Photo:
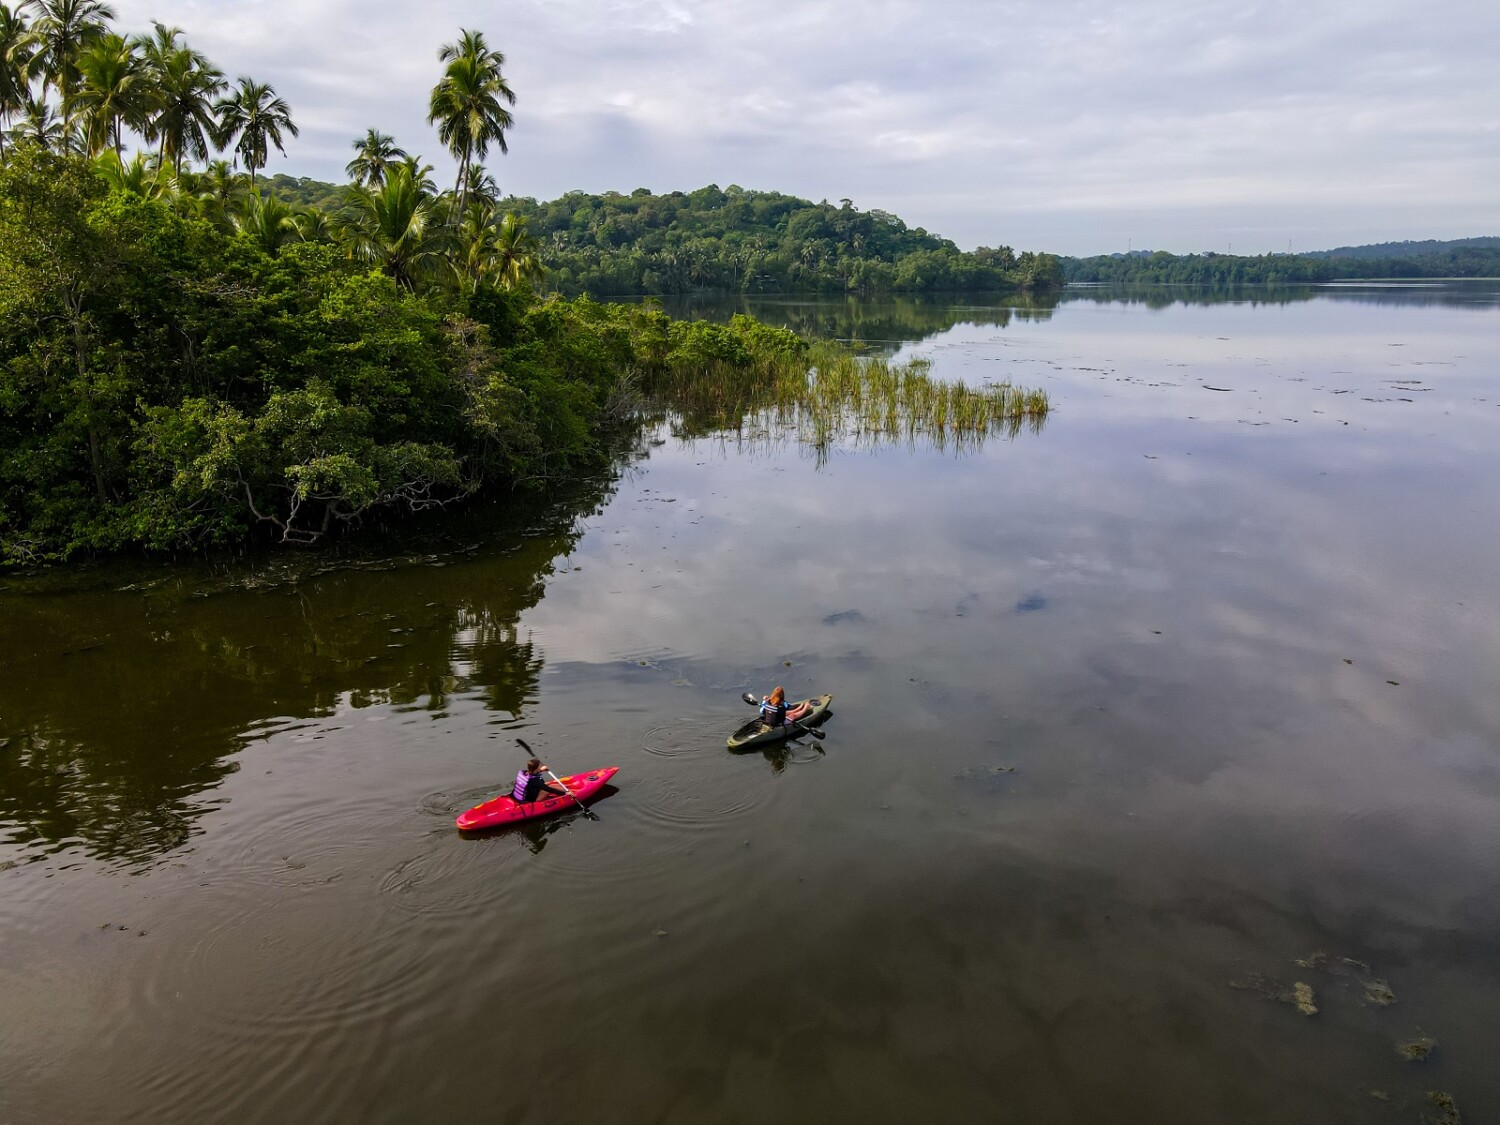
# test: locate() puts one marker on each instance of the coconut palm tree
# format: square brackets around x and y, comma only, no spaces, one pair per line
[468,104]
[313,224]
[517,254]
[39,125]
[220,180]
[141,176]
[250,119]
[186,84]
[18,45]
[397,226]
[209,194]
[64,29]
[114,91]
[480,186]
[495,249]
[268,221]
[162,41]
[472,261]
[373,154]
[421,174]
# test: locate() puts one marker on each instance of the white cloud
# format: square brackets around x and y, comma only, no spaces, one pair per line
[1071,126]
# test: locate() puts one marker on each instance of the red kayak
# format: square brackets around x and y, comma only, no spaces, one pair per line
[505,809]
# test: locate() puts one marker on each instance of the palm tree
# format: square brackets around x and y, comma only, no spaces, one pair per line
[475,254]
[64,28]
[142,177]
[517,254]
[269,222]
[220,184]
[313,224]
[186,85]
[495,250]
[210,194]
[466,104]
[114,90]
[480,186]
[256,116]
[397,226]
[162,41]
[18,44]
[421,174]
[373,154]
[40,126]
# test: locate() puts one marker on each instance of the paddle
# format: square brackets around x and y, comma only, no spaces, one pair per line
[819,735]
[559,780]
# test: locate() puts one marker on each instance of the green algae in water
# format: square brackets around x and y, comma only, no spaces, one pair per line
[1376,990]
[1300,993]
[1447,1109]
[1302,996]
[1417,1050]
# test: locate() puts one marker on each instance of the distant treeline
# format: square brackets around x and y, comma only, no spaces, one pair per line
[742,241]
[1406,249]
[1161,268]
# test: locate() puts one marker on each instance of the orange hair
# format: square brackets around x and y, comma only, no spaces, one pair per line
[779,695]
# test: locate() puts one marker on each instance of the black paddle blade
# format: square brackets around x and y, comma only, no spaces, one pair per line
[524,746]
[750,699]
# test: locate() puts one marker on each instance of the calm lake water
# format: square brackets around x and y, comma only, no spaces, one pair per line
[1140,722]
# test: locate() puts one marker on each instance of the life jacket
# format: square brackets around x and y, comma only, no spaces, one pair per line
[526,788]
[773,714]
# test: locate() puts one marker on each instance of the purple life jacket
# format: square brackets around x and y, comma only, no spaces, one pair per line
[527,785]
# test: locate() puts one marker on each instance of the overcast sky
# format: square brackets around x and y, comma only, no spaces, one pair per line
[1075,126]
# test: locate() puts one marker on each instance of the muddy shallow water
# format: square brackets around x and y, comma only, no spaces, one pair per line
[1162,784]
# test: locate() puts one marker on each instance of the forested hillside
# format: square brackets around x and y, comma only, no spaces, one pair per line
[757,241]
[1407,249]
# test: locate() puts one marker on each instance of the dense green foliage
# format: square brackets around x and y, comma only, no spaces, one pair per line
[1161,268]
[757,241]
[167,383]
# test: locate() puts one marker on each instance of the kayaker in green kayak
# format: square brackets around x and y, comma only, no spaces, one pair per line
[774,711]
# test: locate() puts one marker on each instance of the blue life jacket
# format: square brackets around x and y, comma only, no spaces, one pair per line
[773,714]
[526,788]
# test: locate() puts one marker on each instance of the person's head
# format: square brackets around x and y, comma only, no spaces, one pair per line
[778,695]
[533,764]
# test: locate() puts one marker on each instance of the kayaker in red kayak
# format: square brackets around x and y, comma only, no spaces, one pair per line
[774,712]
[530,785]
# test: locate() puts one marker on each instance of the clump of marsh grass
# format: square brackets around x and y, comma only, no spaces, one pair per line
[754,381]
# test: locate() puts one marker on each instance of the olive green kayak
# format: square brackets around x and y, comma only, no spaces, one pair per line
[755,732]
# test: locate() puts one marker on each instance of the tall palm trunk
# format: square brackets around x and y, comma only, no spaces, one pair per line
[462,187]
